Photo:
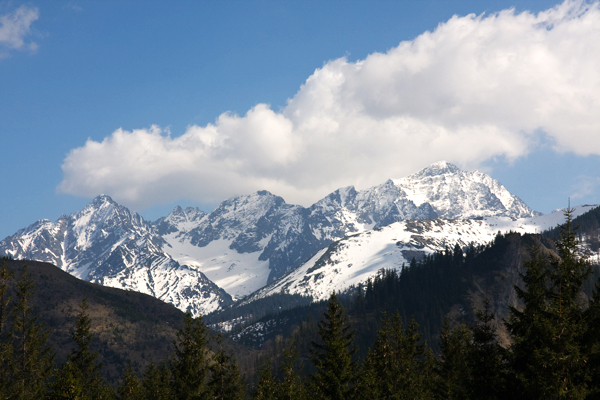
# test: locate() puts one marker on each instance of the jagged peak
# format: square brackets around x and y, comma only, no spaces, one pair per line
[439,168]
[102,199]
[259,196]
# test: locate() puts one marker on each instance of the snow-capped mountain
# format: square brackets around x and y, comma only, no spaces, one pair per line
[239,244]
[456,194]
[106,243]
[194,259]
[352,260]
[249,241]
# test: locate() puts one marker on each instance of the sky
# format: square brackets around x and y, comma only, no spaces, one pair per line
[160,103]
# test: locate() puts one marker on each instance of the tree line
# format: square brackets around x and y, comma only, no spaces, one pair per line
[554,351]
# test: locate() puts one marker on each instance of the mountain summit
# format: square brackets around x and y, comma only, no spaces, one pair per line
[438,168]
[457,194]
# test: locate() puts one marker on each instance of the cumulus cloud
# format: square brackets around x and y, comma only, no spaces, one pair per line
[475,88]
[14,29]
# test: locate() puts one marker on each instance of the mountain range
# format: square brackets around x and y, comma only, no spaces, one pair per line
[256,245]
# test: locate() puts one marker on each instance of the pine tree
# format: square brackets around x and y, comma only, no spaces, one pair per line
[84,359]
[366,387]
[267,386]
[335,373]
[457,256]
[487,359]
[129,388]
[67,384]
[189,366]
[156,383]
[33,359]
[360,300]
[528,327]
[6,347]
[549,358]
[225,382]
[290,388]
[591,342]
[398,362]
[453,367]
[566,375]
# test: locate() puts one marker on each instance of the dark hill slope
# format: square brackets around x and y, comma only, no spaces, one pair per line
[128,326]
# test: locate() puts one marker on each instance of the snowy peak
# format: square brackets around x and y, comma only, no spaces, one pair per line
[101,200]
[435,169]
[179,220]
[457,194]
[244,219]
[103,219]
[342,197]
[248,209]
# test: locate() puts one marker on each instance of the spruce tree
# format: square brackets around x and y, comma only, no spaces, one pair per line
[129,387]
[591,343]
[549,356]
[529,326]
[290,387]
[398,362]
[156,383]
[366,386]
[267,386]
[487,359]
[335,373]
[6,345]
[565,373]
[189,366]
[225,382]
[453,367]
[66,384]
[33,359]
[84,359]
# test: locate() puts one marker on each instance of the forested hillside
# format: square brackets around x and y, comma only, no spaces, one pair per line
[128,327]
[462,323]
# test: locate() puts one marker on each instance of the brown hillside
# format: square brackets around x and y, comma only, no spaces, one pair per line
[128,326]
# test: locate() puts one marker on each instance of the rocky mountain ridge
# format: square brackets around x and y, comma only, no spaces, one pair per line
[352,260]
[105,243]
[198,261]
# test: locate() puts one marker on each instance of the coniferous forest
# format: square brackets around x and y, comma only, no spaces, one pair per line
[398,337]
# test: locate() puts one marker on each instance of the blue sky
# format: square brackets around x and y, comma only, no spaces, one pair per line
[161,103]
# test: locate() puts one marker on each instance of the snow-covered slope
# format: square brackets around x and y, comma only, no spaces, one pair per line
[251,240]
[454,194]
[240,243]
[106,243]
[354,259]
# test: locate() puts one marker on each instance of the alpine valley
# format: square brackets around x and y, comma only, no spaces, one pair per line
[255,246]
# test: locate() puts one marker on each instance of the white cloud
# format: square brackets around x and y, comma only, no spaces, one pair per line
[475,88]
[14,29]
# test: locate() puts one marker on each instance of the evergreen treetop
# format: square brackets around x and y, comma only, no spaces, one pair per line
[336,371]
